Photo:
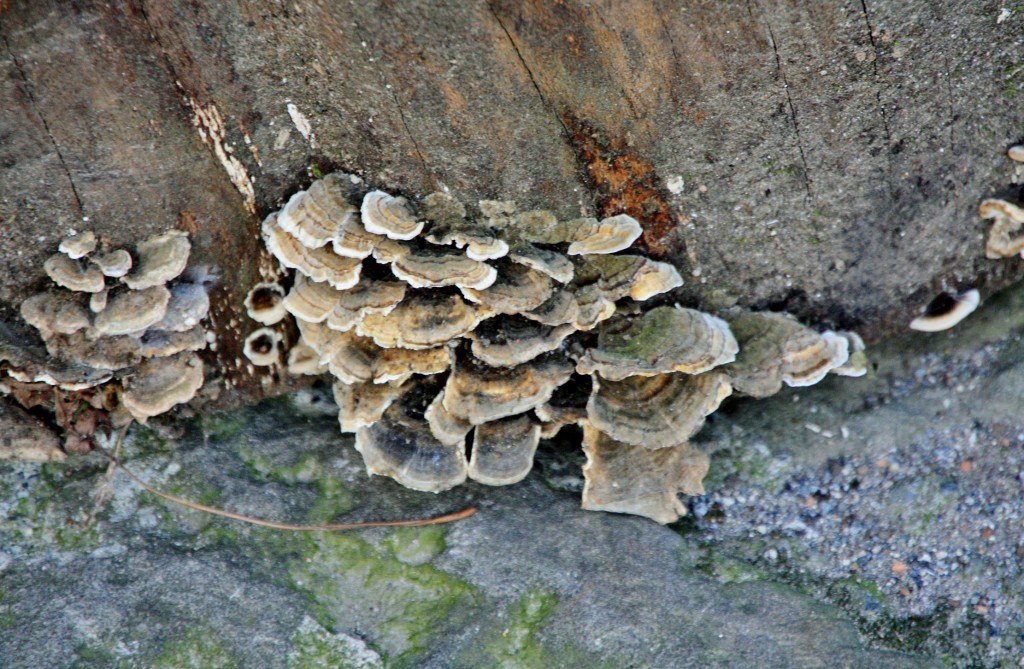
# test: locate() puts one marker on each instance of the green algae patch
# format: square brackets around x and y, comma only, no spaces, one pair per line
[356,585]
[197,648]
[313,647]
[517,647]
[416,545]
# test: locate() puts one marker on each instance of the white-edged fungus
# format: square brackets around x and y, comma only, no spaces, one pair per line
[622,478]
[162,343]
[132,311]
[478,393]
[401,446]
[303,360]
[78,245]
[945,311]
[316,264]
[265,303]
[73,274]
[261,347]
[353,241]
[449,429]
[434,267]
[552,263]
[311,300]
[55,312]
[656,411]
[160,259]
[422,320]
[362,404]
[316,216]
[503,450]
[1016,153]
[664,339]
[114,264]
[507,341]
[387,215]
[516,289]
[161,383]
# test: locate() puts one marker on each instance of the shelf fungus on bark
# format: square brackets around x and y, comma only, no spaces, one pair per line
[623,478]
[401,446]
[487,329]
[120,331]
[776,349]
[945,311]
[261,347]
[662,340]
[316,216]
[265,303]
[1005,238]
[656,411]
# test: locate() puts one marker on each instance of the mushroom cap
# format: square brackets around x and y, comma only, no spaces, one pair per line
[114,264]
[612,234]
[857,363]
[317,264]
[366,297]
[98,301]
[401,446]
[503,450]
[516,289]
[265,303]
[162,343]
[74,275]
[945,311]
[133,311]
[775,348]
[450,430]
[507,341]
[314,335]
[638,277]
[656,411]
[188,305]
[261,348]
[422,320]
[552,263]
[622,478]
[362,404]
[664,339]
[303,360]
[353,241]
[384,214]
[55,312]
[78,245]
[355,359]
[480,243]
[478,393]
[593,306]
[161,258]
[559,309]
[160,383]
[315,216]
[311,300]
[107,353]
[433,267]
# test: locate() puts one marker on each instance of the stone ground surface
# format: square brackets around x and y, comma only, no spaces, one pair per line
[870,522]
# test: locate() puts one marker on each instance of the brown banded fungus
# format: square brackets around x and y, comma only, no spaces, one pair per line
[945,311]
[265,303]
[124,347]
[487,330]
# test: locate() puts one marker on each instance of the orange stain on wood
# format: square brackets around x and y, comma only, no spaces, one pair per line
[625,183]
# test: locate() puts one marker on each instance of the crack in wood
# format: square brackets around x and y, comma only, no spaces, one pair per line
[46,126]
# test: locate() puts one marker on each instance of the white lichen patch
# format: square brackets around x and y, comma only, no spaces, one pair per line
[210,125]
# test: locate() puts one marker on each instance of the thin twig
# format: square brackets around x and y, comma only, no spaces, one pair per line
[447,518]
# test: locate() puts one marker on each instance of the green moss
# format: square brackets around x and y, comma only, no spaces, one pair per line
[355,584]
[315,170]
[222,426]
[316,648]
[197,648]
[416,545]
[517,645]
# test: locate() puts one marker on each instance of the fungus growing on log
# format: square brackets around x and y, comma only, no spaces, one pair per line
[945,311]
[463,340]
[122,343]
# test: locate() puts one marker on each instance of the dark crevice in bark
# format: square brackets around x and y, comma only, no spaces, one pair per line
[46,126]
[529,72]
[792,107]
[878,94]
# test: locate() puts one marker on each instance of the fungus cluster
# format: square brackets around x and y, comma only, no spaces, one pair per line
[132,319]
[456,341]
[1006,211]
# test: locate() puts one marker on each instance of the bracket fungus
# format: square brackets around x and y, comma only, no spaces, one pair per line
[123,342]
[461,338]
[945,311]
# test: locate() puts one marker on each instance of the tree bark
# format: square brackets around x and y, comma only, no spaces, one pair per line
[825,158]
